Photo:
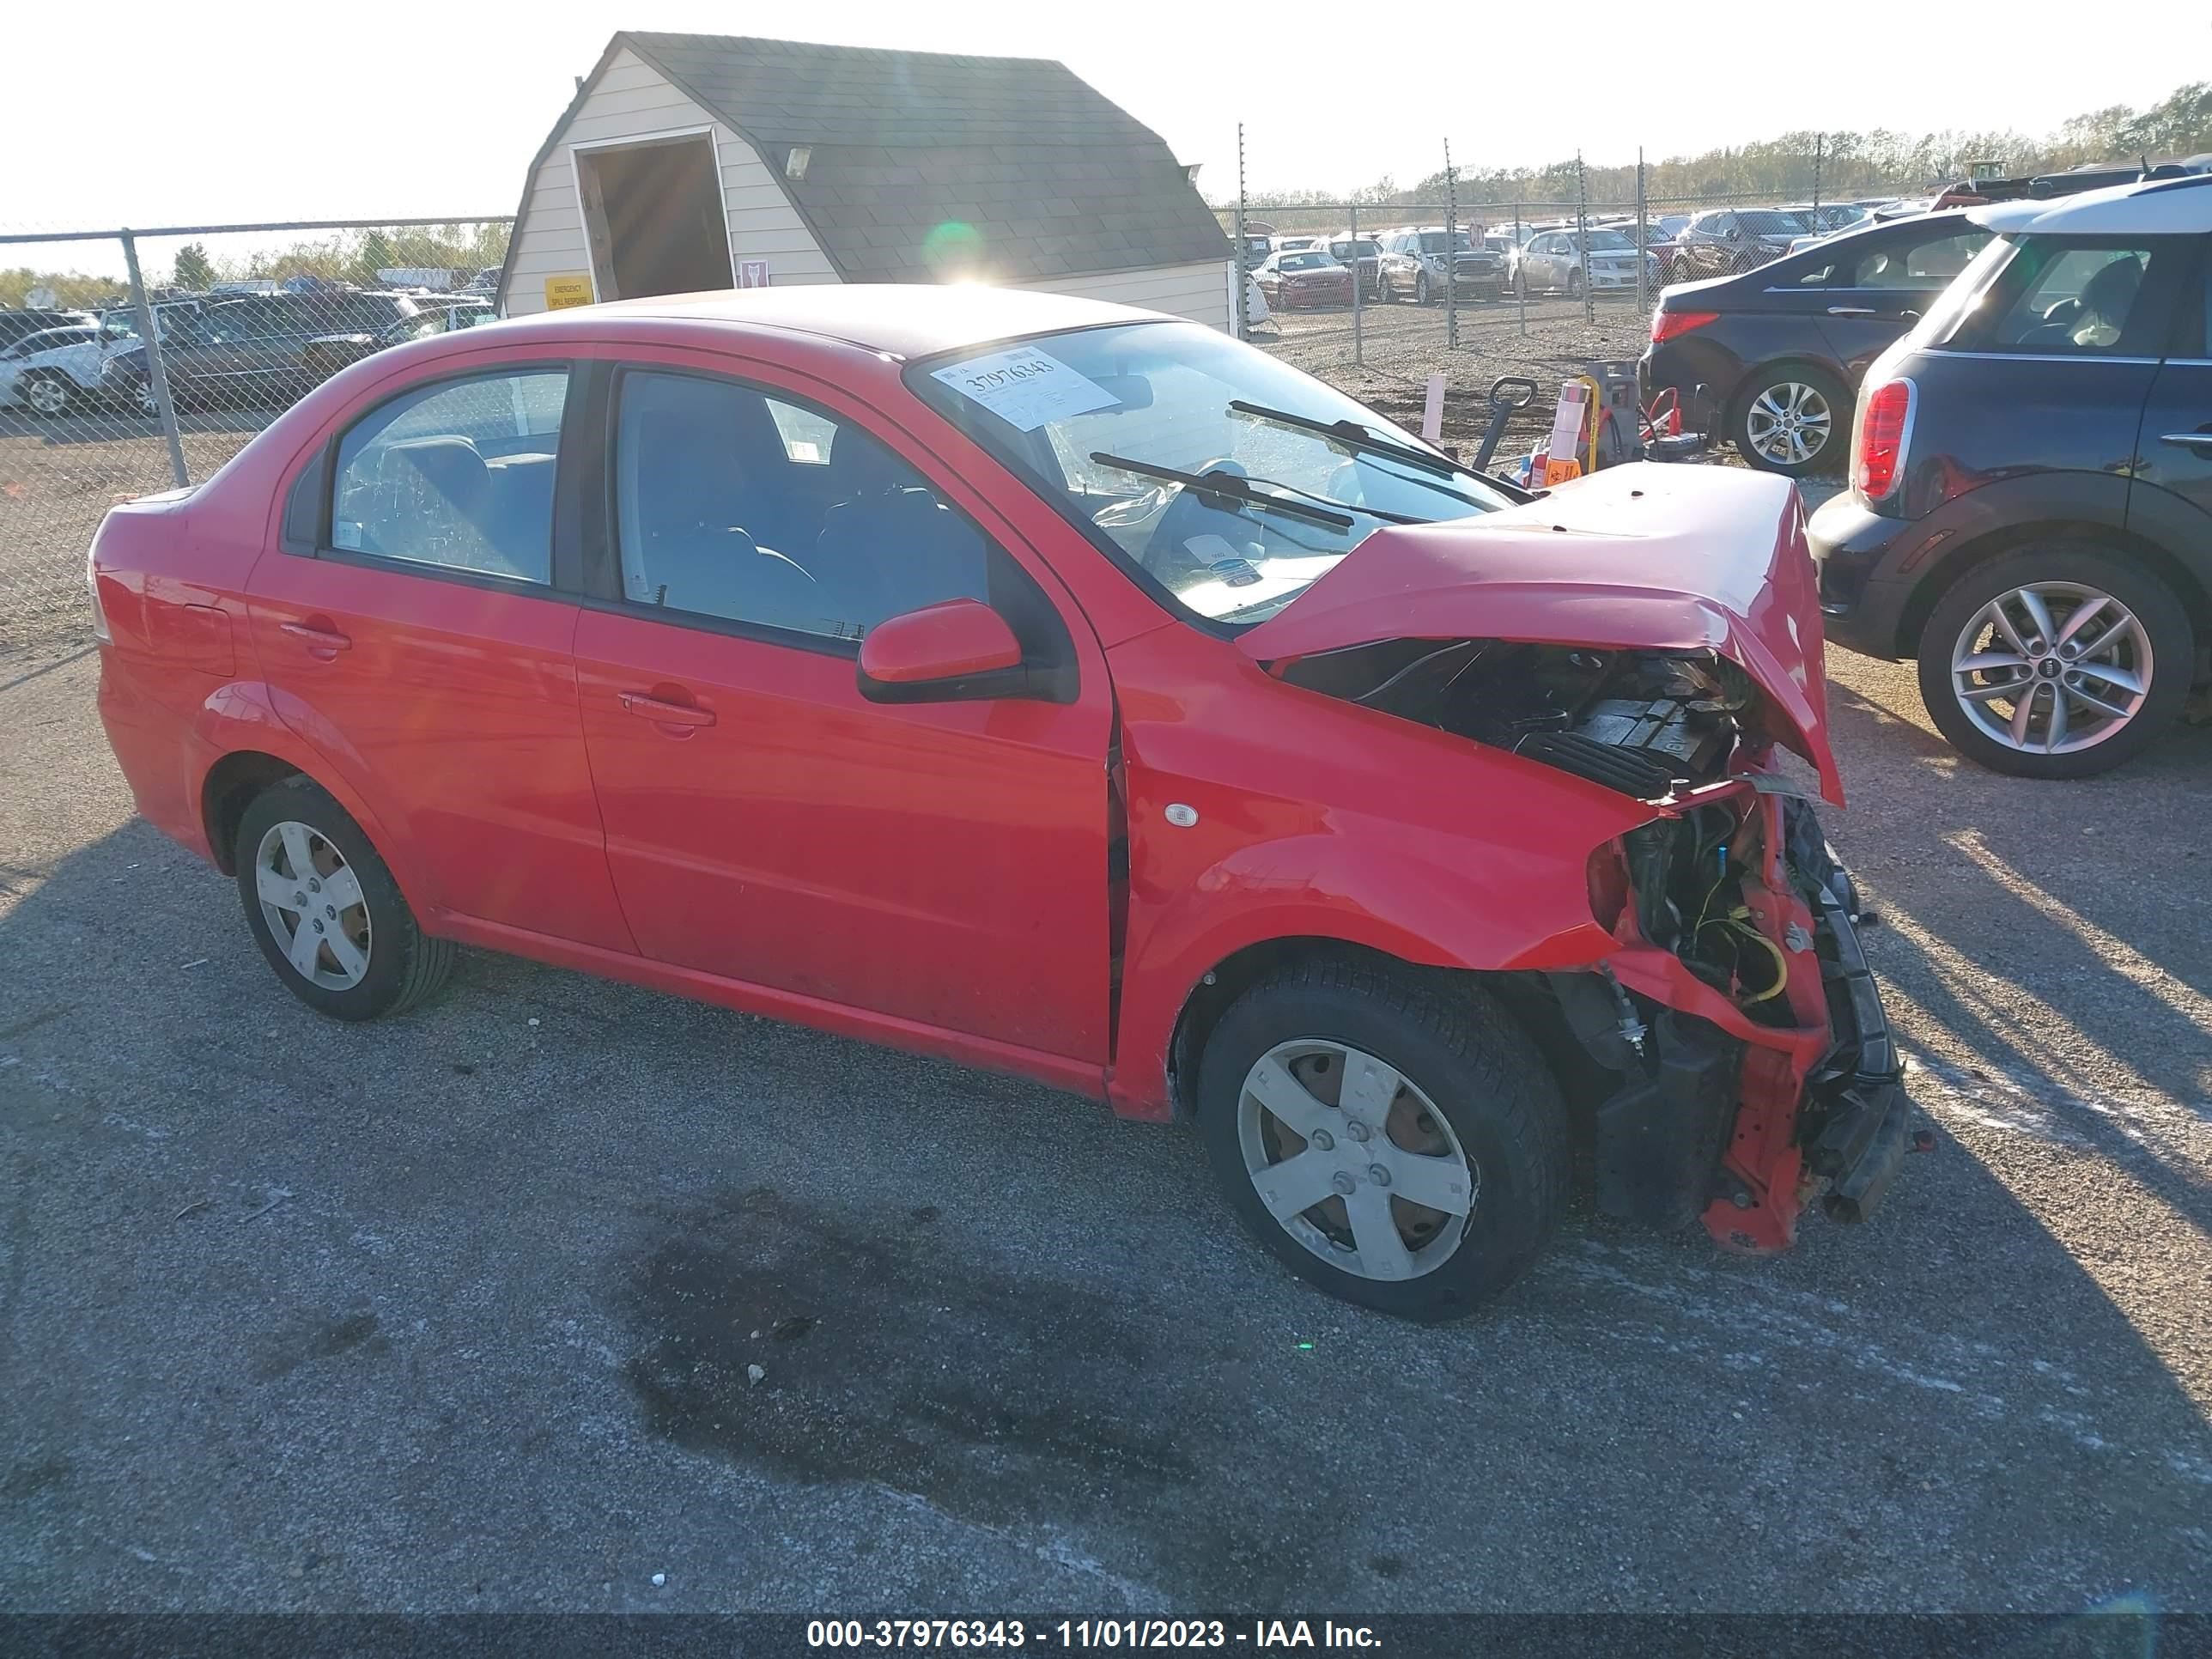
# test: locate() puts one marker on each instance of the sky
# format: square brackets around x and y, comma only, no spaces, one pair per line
[309,112]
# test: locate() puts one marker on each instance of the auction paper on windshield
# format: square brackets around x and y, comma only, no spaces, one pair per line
[1025,388]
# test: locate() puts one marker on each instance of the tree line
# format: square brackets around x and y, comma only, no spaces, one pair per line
[344,256]
[1842,165]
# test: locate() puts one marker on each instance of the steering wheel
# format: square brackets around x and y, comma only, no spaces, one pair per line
[1191,514]
[2064,314]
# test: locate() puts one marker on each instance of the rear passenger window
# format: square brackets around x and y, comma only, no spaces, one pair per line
[1918,265]
[733,504]
[458,474]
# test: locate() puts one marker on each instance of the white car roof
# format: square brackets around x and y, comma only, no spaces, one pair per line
[2164,207]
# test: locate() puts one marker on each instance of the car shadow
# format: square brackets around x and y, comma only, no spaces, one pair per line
[2055,940]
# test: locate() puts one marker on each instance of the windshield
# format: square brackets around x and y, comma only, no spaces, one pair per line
[1304,262]
[1432,241]
[1158,395]
[1610,241]
[1772,221]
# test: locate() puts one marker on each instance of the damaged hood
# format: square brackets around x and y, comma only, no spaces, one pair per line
[1640,558]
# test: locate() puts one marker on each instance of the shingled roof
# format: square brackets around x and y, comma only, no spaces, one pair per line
[1053,178]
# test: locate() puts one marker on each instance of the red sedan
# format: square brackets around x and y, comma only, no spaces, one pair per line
[1310,277]
[984,673]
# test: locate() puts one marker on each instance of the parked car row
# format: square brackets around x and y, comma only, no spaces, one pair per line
[260,351]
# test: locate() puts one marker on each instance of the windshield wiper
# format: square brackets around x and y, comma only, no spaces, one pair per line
[1226,486]
[1353,435]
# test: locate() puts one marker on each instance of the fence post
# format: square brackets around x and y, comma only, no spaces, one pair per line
[1359,354]
[1582,239]
[1820,147]
[156,376]
[1643,239]
[1244,322]
[1451,253]
[1520,288]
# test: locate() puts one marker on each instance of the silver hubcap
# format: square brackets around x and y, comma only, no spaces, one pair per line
[1354,1161]
[311,899]
[1789,423]
[47,397]
[2052,668]
[147,402]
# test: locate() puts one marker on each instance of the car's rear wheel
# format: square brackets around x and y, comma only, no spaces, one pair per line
[325,909]
[2057,660]
[143,400]
[49,395]
[1393,1138]
[1792,419]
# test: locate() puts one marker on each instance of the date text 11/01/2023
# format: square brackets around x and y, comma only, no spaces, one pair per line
[1261,1636]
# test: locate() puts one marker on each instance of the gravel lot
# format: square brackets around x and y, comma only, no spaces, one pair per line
[455,1312]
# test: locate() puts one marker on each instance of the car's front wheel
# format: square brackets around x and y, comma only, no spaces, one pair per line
[49,395]
[2059,659]
[1421,288]
[325,909]
[1794,420]
[1392,1137]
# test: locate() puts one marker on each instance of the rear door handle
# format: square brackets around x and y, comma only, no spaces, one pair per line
[324,642]
[661,712]
[1851,311]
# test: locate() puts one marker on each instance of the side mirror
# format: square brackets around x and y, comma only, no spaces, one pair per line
[961,651]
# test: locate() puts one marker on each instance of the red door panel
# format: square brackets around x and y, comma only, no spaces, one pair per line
[452,707]
[942,863]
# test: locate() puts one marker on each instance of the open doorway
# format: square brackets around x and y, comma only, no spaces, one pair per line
[653,216]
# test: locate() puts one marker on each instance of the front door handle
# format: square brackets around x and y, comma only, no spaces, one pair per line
[2189,440]
[324,641]
[661,712]
[1851,311]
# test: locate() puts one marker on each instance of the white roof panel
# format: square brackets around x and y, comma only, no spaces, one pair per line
[2164,207]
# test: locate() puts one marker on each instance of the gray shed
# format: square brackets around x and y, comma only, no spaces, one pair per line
[691,161]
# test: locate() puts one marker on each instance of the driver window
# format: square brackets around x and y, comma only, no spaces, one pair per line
[732,504]
[2079,301]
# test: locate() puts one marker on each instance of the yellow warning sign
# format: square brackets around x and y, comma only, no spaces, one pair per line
[562,292]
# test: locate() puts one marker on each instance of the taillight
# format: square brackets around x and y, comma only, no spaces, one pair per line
[1666,324]
[1884,425]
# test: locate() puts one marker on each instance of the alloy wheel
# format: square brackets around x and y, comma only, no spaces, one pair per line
[46,396]
[149,404]
[2052,668]
[311,902]
[1353,1161]
[1789,423]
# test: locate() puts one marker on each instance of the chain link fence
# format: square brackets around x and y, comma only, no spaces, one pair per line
[243,320]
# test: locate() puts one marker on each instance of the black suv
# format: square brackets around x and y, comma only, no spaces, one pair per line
[2030,513]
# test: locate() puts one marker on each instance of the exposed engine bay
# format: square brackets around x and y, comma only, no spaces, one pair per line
[1647,724]
[1786,1085]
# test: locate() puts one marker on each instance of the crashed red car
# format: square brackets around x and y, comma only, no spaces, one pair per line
[1062,690]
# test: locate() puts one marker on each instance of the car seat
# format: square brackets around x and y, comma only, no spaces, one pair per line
[684,491]
[890,546]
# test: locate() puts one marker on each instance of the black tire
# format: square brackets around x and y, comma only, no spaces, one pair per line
[405,965]
[1826,459]
[1475,1066]
[1421,287]
[2156,606]
[1574,285]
